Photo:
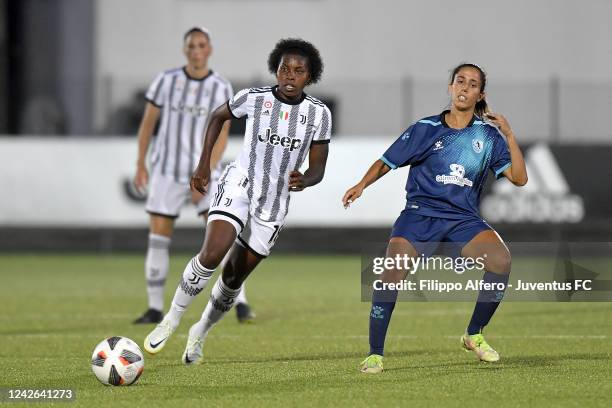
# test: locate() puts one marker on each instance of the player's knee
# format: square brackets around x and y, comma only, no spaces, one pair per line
[393,275]
[210,259]
[500,263]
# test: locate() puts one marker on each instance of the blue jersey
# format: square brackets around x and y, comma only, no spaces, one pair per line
[449,167]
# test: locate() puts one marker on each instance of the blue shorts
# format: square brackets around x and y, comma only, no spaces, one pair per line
[426,233]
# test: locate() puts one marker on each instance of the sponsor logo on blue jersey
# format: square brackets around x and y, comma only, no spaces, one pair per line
[455,177]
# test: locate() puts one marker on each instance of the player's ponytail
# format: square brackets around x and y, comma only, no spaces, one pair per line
[481,106]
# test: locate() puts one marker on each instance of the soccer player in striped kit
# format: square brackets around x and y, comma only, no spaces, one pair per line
[251,200]
[450,155]
[184,98]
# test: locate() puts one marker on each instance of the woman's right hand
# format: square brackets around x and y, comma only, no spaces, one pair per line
[352,194]
[200,178]
[141,179]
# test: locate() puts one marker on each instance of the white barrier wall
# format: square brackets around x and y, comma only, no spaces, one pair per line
[80,183]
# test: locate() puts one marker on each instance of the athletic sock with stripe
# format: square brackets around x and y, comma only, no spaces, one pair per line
[222,298]
[194,280]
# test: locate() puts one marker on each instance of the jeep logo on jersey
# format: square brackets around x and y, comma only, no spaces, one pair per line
[191,110]
[275,140]
[457,171]
[545,198]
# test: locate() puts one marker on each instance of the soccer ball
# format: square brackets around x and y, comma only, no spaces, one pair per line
[117,361]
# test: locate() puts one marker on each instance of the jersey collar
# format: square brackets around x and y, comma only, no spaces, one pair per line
[443,120]
[280,97]
[210,72]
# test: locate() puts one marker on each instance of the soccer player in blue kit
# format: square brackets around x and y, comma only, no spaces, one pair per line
[450,155]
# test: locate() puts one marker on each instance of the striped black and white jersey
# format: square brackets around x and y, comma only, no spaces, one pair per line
[276,141]
[186,106]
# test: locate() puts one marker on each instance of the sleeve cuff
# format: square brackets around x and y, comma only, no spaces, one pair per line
[498,172]
[229,108]
[388,163]
[324,141]
[152,102]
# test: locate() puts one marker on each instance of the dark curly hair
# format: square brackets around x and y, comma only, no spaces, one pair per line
[299,47]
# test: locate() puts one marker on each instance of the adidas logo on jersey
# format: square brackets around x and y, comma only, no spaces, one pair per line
[275,140]
[545,198]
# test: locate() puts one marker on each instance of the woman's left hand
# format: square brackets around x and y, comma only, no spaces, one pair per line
[500,121]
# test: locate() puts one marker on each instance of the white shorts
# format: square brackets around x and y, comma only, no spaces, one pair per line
[230,203]
[166,197]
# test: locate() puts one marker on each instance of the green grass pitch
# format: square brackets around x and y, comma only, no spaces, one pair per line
[305,347]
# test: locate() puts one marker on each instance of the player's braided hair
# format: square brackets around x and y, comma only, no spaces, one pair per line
[481,106]
[299,47]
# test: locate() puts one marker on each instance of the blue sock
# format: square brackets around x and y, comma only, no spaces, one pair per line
[383,303]
[487,303]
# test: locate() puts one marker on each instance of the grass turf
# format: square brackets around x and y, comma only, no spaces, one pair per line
[305,347]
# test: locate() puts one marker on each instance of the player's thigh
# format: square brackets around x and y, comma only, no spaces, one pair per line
[229,199]
[398,247]
[220,235]
[412,234]
[491,249]
[227,217]
[240,264]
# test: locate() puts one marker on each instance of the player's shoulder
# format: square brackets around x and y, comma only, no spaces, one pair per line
[171,71]
[317,103]
[259,90]
[248,94]
[314,101]
[220,78]
[429,121]
[487,127]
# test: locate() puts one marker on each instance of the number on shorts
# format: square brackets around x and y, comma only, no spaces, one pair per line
[274,234]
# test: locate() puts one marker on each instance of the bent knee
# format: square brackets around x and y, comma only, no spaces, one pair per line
[211,259]
[500,263]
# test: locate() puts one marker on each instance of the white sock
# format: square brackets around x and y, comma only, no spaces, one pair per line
[241,298]
[194,280]
[156,269]
[221,301]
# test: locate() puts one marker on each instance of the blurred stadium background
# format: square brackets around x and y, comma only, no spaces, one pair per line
[73,73]
[72,77]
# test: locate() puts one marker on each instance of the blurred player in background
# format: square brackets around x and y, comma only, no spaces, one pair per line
[184,98]
[252,197]
[450,155]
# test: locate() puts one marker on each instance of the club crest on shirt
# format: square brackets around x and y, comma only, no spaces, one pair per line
[477,145]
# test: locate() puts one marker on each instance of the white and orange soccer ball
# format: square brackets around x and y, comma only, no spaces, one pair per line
[117,361]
